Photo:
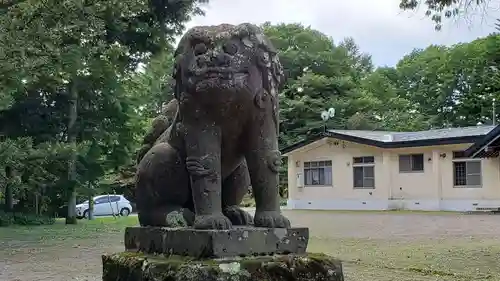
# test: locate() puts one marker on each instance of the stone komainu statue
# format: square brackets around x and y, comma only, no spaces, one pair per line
[224,136]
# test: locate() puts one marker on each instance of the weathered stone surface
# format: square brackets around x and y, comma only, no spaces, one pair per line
[129,266]
[241,241]
[223,137]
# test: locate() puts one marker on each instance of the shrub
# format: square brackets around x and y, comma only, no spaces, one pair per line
[7,219]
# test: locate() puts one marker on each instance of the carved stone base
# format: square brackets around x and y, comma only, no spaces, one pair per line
[129,266]
[244,241]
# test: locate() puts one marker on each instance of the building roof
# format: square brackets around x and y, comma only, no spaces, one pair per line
[385,136]
[386,139]
[488,146]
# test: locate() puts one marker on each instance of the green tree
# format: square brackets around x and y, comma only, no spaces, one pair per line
[151,87]
[438,10]
[26,169]
[452,86]
[66,61]
[390,108]
[322,75]
[424,79]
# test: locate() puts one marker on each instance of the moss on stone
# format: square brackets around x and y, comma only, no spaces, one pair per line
[139,266]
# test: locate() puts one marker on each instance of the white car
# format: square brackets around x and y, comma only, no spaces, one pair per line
[105,205]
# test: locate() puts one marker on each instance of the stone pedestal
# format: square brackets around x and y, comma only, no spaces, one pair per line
[239,241]
[130,266]
[239,254]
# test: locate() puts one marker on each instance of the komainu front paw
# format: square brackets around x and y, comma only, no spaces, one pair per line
[176,219]
[271,219]
[179,218]
[217,221]
[237,216]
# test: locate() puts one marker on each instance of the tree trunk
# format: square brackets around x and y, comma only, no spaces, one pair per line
[91,203]
[111,207]
[73,114]
[9,193]
[41,201]
[37,206]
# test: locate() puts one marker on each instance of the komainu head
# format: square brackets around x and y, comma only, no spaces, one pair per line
[226,59]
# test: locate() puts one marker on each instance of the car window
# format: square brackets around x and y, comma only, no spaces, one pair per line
[101,200]
[114,198]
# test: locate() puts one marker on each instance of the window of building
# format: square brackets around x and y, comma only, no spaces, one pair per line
[411,163]
[318,173]
[466,172]
[364,172]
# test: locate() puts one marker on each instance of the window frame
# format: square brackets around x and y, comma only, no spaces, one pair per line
[318,166]
[458,157]
[366,162]
[411,157]
[101,200]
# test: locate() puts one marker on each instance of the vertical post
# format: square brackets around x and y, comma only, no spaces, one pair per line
[37,207]
[111,206]
[73,115]
[494,113]
[325,115]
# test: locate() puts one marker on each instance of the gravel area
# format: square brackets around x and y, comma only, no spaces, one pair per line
[396,225]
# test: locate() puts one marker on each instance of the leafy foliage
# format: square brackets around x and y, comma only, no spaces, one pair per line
[438,10]
[67,62]
[7,219]
[151,87]
[322,75]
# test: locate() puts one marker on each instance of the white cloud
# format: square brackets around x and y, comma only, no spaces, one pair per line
[378,27]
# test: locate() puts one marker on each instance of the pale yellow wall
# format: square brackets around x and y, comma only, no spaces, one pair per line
[436,182]
[490,182]
[341,156]
[415,185]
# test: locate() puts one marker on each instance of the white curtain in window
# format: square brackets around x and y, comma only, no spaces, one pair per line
[315,176]
[328,175]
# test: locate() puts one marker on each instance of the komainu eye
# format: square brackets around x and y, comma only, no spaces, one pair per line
[230,48]
[200,48]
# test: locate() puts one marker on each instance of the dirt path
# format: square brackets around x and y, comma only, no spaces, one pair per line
[362,239]
[78,261]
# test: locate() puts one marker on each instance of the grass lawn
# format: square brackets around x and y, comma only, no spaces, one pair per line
[37,253]
[85,229]
[455,259]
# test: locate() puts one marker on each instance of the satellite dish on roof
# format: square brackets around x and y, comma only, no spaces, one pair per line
[325,115]
[331,112]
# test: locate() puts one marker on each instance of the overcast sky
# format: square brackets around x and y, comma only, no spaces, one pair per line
[377,26]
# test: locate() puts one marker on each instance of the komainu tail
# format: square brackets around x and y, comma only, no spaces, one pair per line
[160,124]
